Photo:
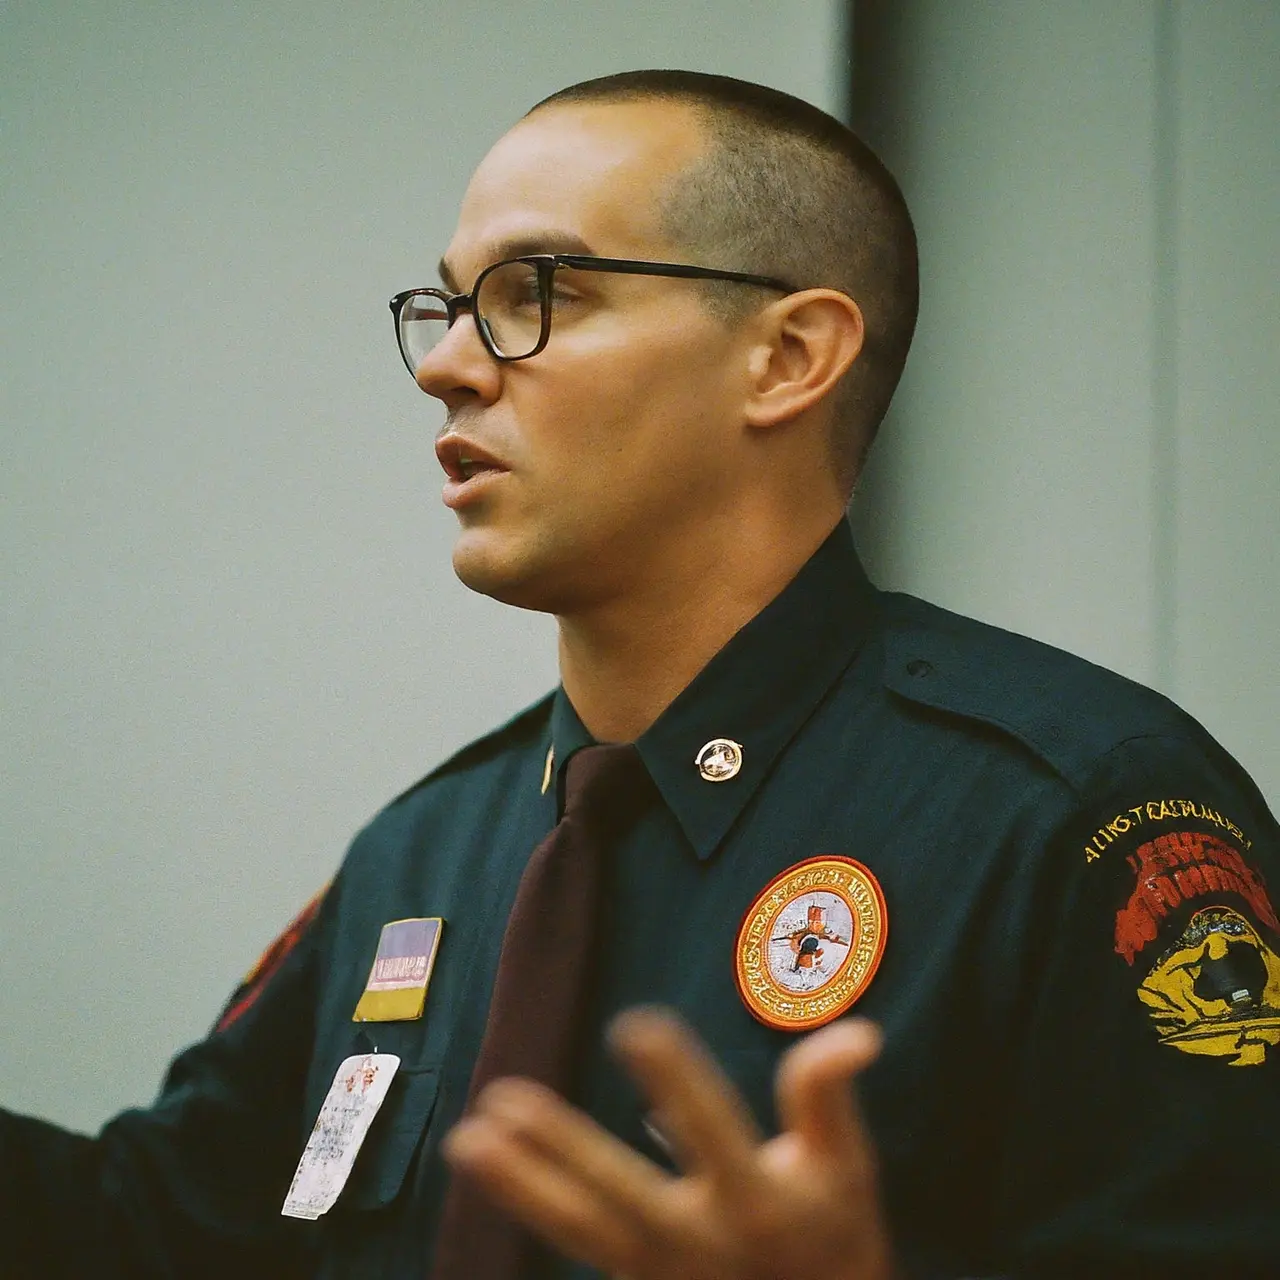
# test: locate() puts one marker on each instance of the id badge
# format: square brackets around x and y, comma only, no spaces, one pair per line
[357,1092]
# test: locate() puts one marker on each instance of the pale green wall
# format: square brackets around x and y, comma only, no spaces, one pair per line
[1086,446]
[1223,329]
[230,630]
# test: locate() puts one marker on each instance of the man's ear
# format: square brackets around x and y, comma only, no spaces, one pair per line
[805,344]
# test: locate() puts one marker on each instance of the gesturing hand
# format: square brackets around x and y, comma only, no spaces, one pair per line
[800,1205]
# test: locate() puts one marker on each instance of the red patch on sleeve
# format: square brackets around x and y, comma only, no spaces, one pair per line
[1175,868]
[255,981]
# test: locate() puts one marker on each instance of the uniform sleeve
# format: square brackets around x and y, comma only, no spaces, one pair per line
[193,1185]
[1144,1069]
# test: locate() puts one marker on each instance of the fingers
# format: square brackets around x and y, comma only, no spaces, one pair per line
[697,1107]
[557,1171]
[536,1193]
[804,1195]
[815,1094]
[563,1134]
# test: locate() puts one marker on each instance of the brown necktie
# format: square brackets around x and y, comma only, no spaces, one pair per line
[542,994]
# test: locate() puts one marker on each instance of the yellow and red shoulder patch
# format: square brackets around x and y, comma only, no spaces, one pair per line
[254,982]
[810,943]
[1201,917]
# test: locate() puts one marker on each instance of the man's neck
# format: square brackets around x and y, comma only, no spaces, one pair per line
[624,663]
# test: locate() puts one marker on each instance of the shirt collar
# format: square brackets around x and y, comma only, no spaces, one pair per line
[756,692]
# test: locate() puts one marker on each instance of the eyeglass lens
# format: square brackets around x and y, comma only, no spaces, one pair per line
[508,306]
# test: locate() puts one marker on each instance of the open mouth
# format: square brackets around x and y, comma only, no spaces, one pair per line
[462,460]
[468,468]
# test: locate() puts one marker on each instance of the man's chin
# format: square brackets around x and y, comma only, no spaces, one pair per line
[495,571]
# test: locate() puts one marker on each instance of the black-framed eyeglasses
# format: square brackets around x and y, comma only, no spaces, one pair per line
[513,301]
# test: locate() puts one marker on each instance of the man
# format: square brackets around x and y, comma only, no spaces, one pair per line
[1045,886]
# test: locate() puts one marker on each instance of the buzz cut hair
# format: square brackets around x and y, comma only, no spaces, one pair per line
[787,190]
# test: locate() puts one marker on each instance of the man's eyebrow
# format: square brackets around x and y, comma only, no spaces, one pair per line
[520,246]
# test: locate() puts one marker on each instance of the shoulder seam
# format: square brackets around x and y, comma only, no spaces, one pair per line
[1074,712]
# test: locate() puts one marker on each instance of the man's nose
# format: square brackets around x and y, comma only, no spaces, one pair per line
[459,367]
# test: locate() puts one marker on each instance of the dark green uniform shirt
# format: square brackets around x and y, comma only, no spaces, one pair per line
[1080,990]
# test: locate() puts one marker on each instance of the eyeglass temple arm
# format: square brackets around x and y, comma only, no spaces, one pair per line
[628,266]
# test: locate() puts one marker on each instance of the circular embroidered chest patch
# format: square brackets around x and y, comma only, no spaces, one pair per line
[810,943]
